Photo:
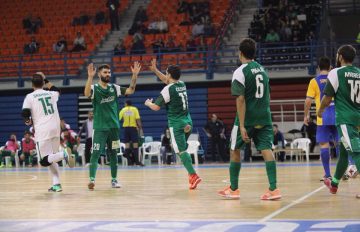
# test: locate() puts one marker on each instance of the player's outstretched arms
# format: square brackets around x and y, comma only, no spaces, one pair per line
[91,73]
[159,74]
[135,72]
[151,105]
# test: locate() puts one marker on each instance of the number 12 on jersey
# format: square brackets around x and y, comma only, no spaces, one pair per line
[184,100]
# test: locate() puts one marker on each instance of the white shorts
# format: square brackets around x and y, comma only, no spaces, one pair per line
[47,147]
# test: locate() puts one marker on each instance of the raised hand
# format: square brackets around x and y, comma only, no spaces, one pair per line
[152,66]
[136,68]
[91,70]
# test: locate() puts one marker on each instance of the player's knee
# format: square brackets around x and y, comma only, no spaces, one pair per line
[235,156]
[45,162]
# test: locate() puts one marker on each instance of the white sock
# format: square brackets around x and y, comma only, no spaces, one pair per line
[54,169]
[54,158]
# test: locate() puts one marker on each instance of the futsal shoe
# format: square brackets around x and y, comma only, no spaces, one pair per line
[91,185]
[325,177]
[333,189]
[228,193]
[271,195]
[194,180]
[115,184]
[55,188]
[69,158]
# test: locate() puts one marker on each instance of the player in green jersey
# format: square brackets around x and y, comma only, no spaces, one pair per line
[104,97]
[174,98]
[344,85]
[250,85]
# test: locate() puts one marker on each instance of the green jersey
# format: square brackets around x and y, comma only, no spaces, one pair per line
[344,86]
[251,81]
[106,106]
[174,97]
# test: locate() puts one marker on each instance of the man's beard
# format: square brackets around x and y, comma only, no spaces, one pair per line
[104,79]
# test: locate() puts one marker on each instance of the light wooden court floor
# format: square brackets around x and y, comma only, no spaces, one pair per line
[158,199]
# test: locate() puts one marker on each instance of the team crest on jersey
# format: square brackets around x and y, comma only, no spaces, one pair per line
[111,90]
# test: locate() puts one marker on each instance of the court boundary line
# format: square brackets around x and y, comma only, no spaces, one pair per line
[295,202]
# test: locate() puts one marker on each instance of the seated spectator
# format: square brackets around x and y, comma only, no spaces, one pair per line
[272,36]
[153,26]
[28,150]
[191,45]
[72,141]
[137,26]
[198,29]
[166,148]
[99,18]
[208,29]
[162,25]
[138,46]
[64,125]
[141,15]
[32,47]
[170,45]
[79,43]
[120,48]
[158,46]
[279,141]
[10,148]
[31,24]
[60,45]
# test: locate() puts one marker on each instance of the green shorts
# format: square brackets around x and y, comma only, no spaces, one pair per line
[263,137]
[106,138]
[350,137]
[7,153]
[179,137]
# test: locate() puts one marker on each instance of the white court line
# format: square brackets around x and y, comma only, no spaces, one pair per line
[279,211]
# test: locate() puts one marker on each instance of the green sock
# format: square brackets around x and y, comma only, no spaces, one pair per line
[93,164]
[187,162]
[113,165]
[341,165]
[271,173]
[234,171]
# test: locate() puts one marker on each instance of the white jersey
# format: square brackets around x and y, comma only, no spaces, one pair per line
[44,113]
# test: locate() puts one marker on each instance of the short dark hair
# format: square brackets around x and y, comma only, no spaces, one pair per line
[275,125]
[103,66]
[174,71]
[128,102]
[347,52]
[248,48]
[324,63]
[37,81]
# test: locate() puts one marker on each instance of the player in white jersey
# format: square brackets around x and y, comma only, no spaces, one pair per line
[40,110]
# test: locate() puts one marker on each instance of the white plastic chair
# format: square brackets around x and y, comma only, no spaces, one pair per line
[148,139]
[124,161]
[193,148]
[17,160]
[151,149]
[81,151]
[193,137]
[301,143]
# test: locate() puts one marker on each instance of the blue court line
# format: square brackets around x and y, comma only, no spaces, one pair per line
[180,226]
[205,166]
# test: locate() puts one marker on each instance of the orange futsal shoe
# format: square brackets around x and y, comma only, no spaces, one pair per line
[271,195]
[229,194]
[194,180]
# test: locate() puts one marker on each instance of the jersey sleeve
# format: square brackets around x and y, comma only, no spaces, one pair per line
[238,83]
[26,103]
[332,84]
[137,115]
[165,93]
[311,91]
[160,101]
[120,90]
[92,94]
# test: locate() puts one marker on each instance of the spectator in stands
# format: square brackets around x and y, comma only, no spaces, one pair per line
[10,148]
[141,15]
[138,46]
[87,128]
[31,24]
[60,45]
[79,43]
[64,125]
[32,47]
[28,149]
[72,141]
[120,48]
[272,36]
[158,45]
[99,17]
[310,130]
[208,29]
[162,25]
[216,132]
[153,27]
[137,26]
[138,35]
[170,45]
[113,6]
[183,7]
[198,29]
[191,44]
[279,141]
[285,32]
